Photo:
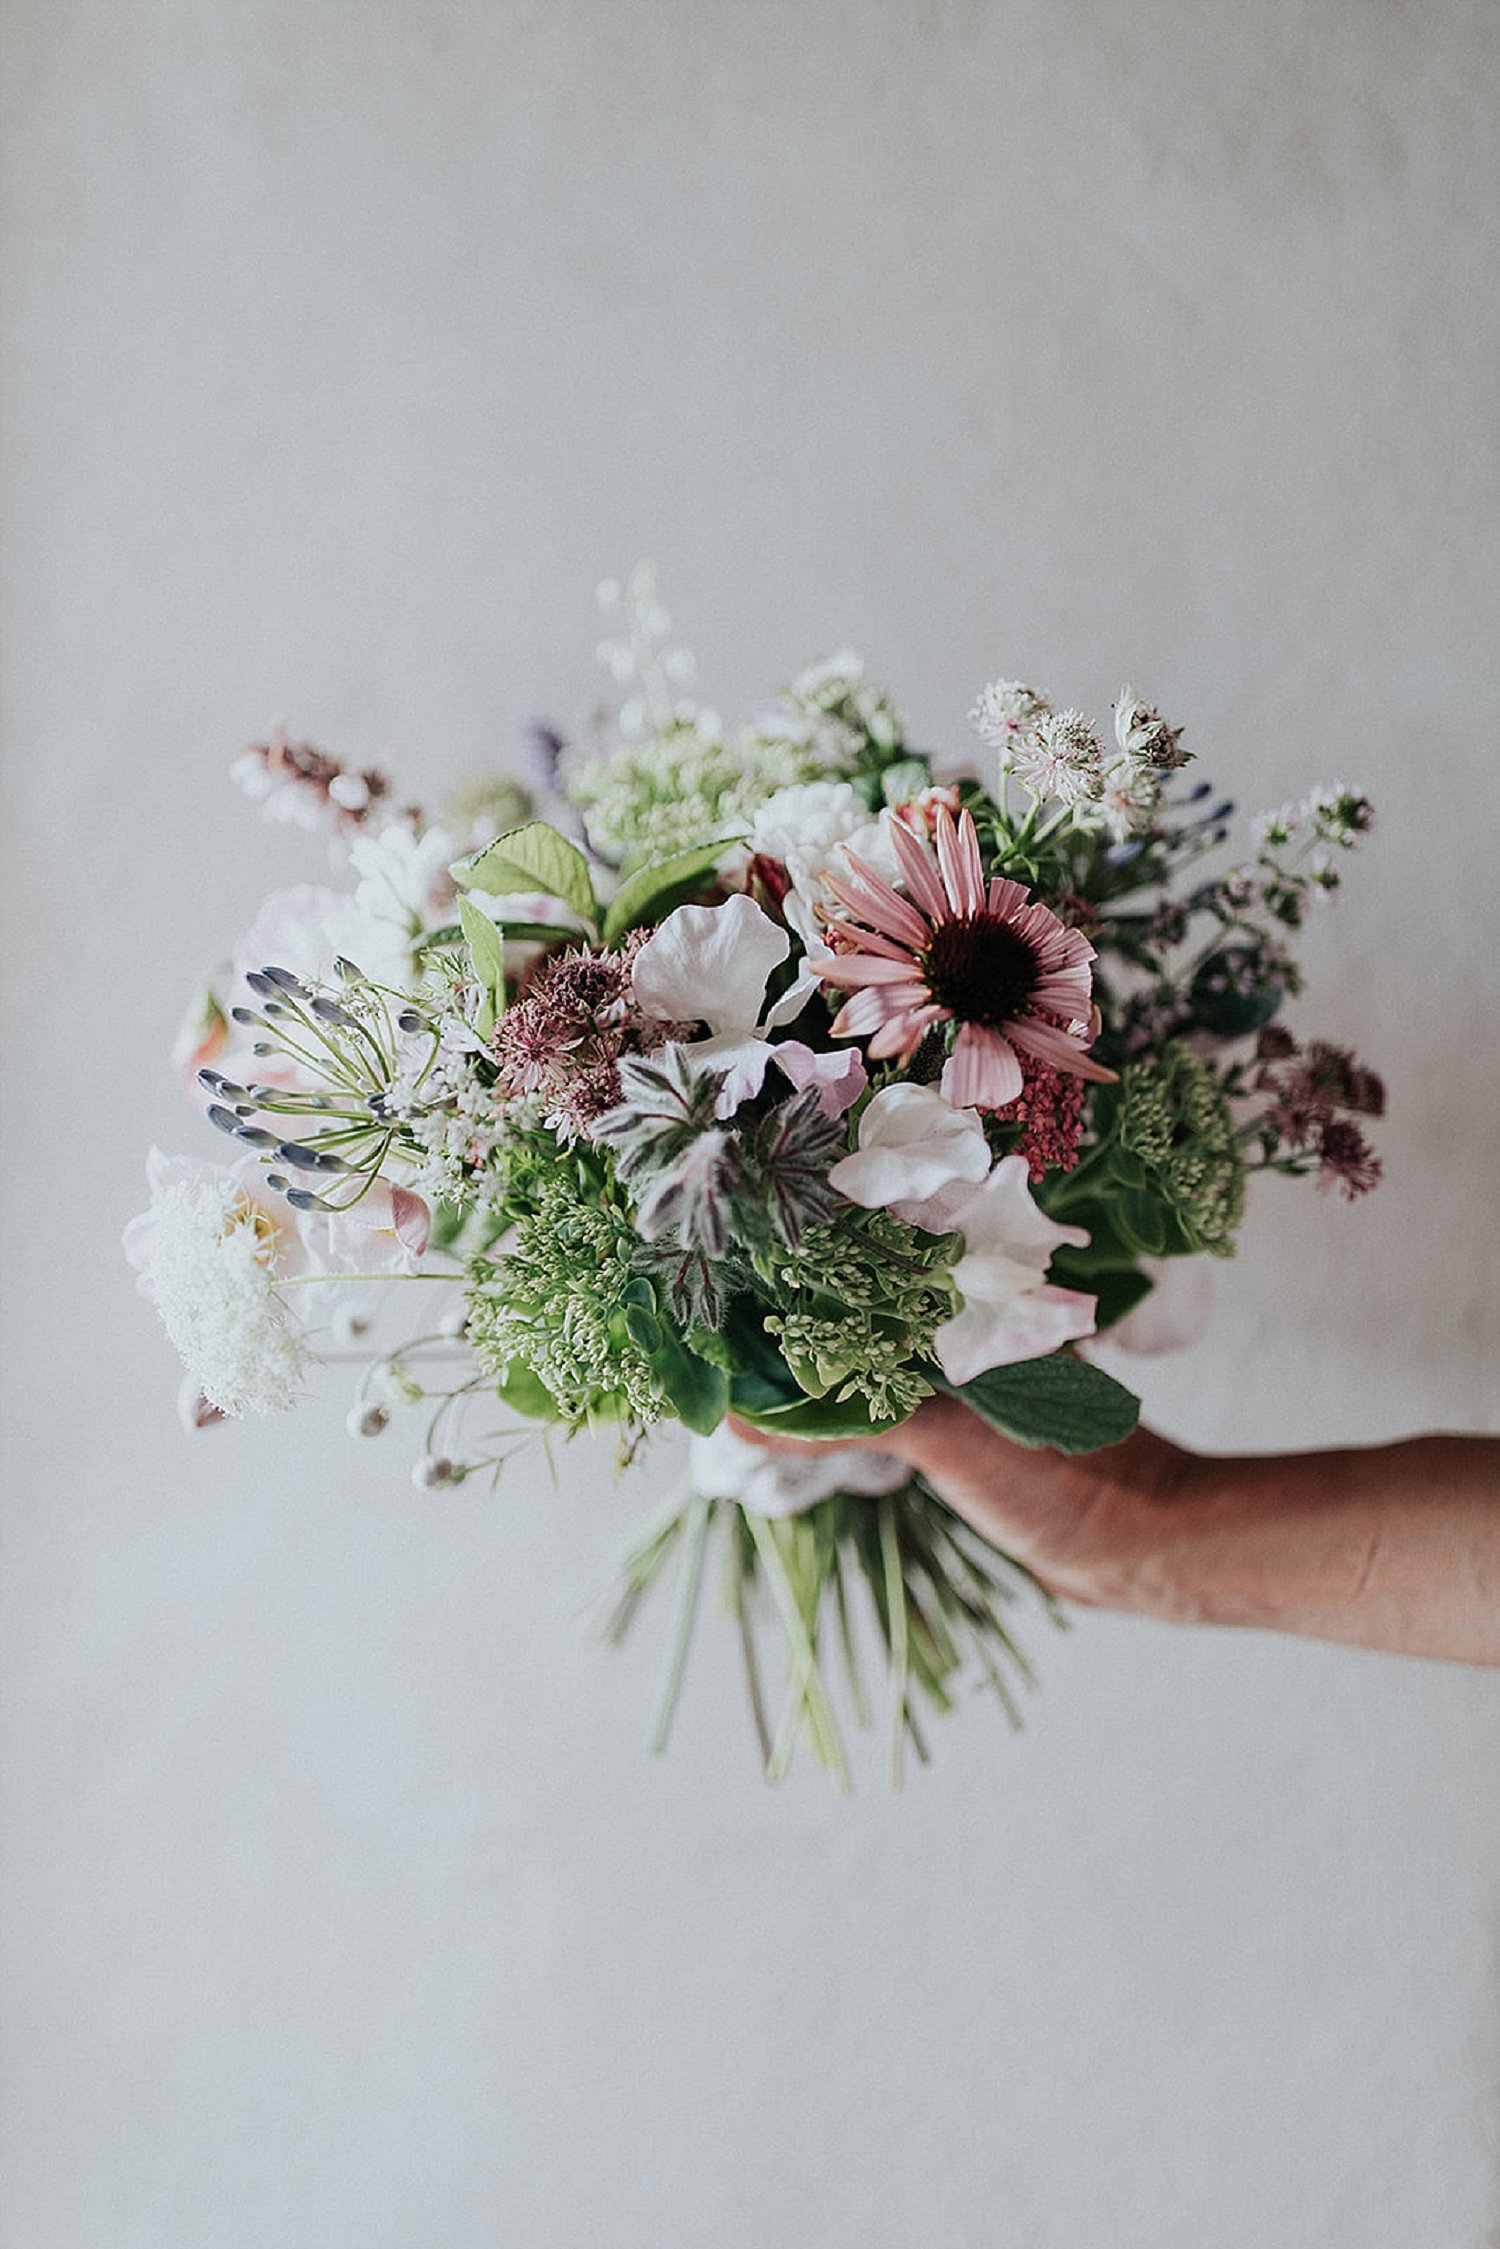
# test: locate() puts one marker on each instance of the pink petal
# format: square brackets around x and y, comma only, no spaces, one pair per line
[918,871]
[982,1071]
[856,969]
[871,941]
[1051,1044]
[902,1034]
[840,1078]
[861,1015]
[1006,898]
[963,876]
[871,898]
[1065,991]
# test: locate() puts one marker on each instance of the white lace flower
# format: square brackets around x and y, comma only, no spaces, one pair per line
[209,1253]
[723,1466]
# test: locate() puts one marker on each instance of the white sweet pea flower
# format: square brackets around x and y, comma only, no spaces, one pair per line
[1009,1309]
[709,964]
[723,1466]
[912,1147]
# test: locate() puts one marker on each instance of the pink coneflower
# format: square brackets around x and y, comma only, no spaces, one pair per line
[985,956]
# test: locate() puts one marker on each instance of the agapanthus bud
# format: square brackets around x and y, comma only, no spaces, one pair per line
[1005,709]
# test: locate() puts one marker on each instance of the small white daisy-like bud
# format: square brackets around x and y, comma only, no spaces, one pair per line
[366,1420]
[454,1321]
[350,791]
[1274,830]
[1005,709]
[1323,874]
[1340,814]
[433,1471]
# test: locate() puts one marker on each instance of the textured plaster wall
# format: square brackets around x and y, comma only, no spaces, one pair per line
[347,345]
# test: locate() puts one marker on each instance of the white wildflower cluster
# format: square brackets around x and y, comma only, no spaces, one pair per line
[1004,710]
[208,1255]
[456,1122]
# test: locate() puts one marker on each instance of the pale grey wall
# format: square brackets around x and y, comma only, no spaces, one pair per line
[348,346]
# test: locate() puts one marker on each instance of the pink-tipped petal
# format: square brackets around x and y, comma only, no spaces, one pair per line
[982,1072]
[862,1013]
[963,878]
[918,870]
[1050,1044]
[855,969]
[1006,898]
[870,897]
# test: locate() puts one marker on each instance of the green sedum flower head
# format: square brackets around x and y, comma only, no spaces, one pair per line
[1175,1122]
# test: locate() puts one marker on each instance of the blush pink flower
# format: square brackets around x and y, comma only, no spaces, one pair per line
[986,956]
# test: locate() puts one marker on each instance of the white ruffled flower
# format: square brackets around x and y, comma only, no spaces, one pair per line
[930,1165]
[209,1253]
[724,1466]
[809,829]
[1131,794]
[709,964]
[1010,1311]
[912,1145]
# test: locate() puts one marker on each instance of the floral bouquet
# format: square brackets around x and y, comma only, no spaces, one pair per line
[794,1077]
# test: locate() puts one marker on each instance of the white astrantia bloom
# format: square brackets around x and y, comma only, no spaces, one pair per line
[1060,757]
[209,1253]
[1145,737]
[709,964]
[912,1145]
[724,1466]
[1006,709]
[1131,794]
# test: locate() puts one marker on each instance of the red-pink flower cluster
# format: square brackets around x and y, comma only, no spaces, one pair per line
[1049,1109]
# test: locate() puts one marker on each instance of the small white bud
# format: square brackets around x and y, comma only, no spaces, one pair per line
[349,791]
[454,1321]
[433,1471]
[366,1420]
[348,1326]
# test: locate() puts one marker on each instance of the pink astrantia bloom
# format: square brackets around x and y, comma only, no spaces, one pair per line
[986,956]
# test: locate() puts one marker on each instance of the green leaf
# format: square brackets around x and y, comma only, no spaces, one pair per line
[652,892]
[1061,1401]
[531,857]
[906,779]
[487,952]
[699,1392]
[816,1417]
[1143,1221]
[524,1392]
[1116,1293]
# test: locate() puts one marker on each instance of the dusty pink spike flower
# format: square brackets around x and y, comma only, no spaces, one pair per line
[986,956]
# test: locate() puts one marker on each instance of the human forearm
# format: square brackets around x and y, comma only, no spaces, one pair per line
[1394,1547]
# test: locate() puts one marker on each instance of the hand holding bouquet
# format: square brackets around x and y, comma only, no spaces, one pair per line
[798,1077]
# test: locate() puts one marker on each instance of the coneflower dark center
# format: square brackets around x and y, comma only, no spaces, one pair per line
[981,969]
